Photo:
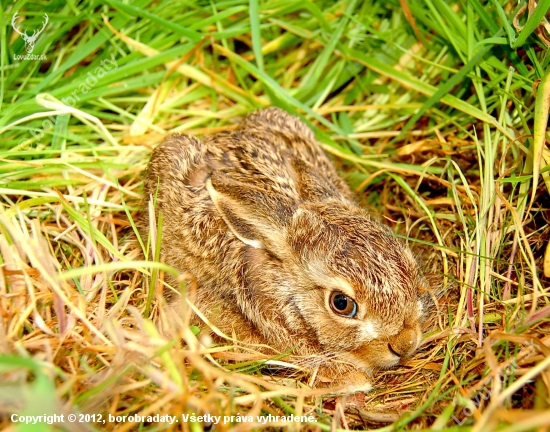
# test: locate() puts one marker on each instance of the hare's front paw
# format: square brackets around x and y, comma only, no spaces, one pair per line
[352,381]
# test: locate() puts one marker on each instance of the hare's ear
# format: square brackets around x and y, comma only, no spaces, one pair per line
[310,186]
[252,215]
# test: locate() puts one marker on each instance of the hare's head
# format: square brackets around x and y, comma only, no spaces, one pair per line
[371,291]
[346,283]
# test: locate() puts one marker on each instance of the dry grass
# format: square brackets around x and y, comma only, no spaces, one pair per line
[83,325]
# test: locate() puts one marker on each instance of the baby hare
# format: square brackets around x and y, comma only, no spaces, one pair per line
[282,254]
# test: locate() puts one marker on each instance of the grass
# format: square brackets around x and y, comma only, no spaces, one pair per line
[435,113]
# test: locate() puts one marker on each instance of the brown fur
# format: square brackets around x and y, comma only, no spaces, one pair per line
[261,218]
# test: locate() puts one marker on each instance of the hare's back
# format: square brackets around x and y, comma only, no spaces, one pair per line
[267,150]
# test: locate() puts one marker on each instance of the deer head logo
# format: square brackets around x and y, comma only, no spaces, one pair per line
[29,40]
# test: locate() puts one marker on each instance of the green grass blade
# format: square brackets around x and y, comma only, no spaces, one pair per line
[164,23]
[91,46]
[532,23]
[448,86]
[509,29]
[256,35]
[422,87]
[542,105]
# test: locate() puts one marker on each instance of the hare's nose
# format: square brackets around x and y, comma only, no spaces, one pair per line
[404,343]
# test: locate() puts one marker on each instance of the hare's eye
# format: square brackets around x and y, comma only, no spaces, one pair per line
[343,305]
